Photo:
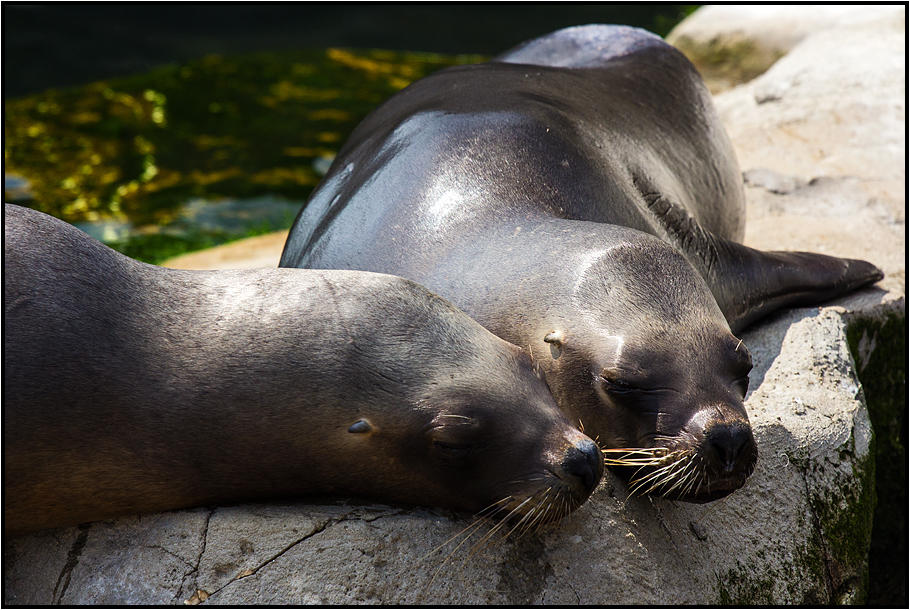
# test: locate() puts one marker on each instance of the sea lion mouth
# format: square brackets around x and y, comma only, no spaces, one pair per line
[557,490]
[550,495]
[674,474]
[523,513]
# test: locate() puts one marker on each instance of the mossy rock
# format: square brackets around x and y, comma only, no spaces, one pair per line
[726,61]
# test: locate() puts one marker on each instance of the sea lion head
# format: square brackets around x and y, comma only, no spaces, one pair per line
[477,431]
[648,366]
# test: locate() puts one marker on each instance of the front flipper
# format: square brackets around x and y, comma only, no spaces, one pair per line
[749,284]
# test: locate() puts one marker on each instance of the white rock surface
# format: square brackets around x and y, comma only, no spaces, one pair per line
[733,43]
[821,139]
[778,27]
[826,166]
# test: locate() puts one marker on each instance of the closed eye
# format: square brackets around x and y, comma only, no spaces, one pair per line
[742,384]
[453,450]
[616,386]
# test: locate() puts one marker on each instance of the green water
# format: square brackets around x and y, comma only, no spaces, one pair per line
[134,160]
[198,153]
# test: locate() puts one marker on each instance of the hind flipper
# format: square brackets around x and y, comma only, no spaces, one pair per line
[749,284]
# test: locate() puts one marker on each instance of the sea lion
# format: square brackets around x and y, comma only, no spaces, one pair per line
[578,196]
[131,388]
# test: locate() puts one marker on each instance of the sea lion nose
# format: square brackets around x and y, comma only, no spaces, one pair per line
[585,461]
[730,442]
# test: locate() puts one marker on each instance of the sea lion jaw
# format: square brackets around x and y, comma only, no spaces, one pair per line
[552,467]
[690,436]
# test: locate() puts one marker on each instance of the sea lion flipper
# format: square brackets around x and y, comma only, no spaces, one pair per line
[749,283]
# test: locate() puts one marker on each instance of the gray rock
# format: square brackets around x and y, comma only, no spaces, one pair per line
[825,165]
[775,541]
[824,161]
[732,44]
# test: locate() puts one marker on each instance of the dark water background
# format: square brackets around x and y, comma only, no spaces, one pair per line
[55,45]
[162,129]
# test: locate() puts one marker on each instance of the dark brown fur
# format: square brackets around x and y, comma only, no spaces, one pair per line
[580,184]
[131,388]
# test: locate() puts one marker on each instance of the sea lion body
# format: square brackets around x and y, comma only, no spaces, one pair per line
[131,388]
[579,196]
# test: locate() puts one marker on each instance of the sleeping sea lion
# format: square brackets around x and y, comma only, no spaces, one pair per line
[130,388]
[578,196]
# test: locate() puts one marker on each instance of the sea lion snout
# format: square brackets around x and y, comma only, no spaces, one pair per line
[584,466]
[733,447]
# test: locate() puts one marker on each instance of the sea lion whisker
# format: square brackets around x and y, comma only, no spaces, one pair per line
[539,521]
[531,515]
[481,544]
[546,507]
[482,518]
[699,475]
[673,471]
[696,482]
[473,527]
[524,524]
[655,474]
[687,475]
[656,488]
[698,479]
[491,510]
[667,461]
[456,416]
[648,477]
[637,455]
[543,508]
[631,461]
[635,450]
[505,520]
[683,482]
[680,481]
[531,478]
[537,514]
[560,507]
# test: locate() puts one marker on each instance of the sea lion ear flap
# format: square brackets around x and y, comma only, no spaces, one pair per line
[749,284]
